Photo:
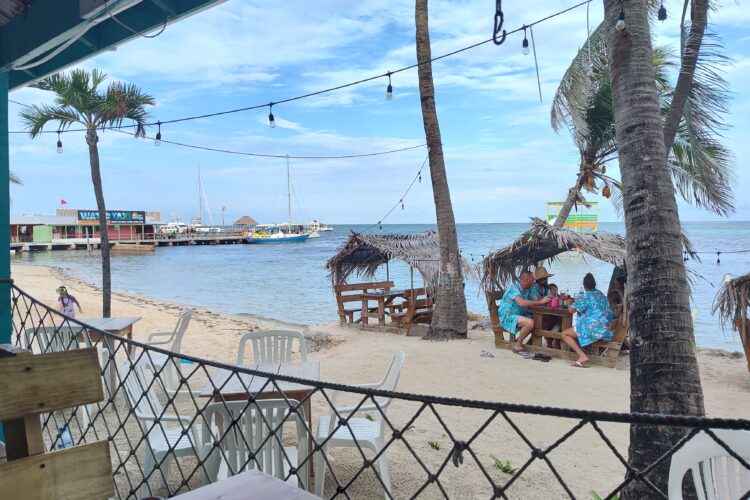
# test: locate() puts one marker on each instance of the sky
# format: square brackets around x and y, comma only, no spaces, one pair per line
[504,162]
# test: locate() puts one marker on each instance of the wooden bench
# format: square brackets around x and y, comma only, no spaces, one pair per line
[352,293]
[46,383]
[493,302]
[416,308]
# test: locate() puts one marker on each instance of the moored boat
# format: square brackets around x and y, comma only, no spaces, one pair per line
[276,233]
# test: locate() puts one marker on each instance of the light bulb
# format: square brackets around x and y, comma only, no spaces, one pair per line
[157,141]
[271,121]
[59,147]
[620,25]
[662,13]
[525,47]
[389,93]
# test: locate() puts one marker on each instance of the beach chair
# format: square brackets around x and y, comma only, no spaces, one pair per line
[170,365]
[272,346]
[253,439]
[716,474]
[163,442]
[493,299]
[359,432]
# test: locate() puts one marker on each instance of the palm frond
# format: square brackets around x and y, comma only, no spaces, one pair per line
[14,179]
[36,117]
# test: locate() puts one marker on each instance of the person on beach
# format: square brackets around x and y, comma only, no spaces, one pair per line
[67,302]
[513,306]
[541,289]
[594,315]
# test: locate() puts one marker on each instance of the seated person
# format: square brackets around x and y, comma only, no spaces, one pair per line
[615,302]
[542,288]
[553,290]
[511,309]
[594,316]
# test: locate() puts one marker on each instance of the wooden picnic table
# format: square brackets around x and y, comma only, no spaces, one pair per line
[383,298]
[250,484]
[227,385]
[539,332]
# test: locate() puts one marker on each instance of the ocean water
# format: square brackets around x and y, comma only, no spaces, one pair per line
[289,281]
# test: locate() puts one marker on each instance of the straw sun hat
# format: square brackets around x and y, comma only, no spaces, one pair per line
[541,273]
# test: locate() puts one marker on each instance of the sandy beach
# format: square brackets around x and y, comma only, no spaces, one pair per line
[453,369]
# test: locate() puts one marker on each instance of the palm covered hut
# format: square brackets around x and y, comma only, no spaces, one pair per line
[362,254]
[733,304]
[544,242]
[246,221]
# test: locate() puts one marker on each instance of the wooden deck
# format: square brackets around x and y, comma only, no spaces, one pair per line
[162,241]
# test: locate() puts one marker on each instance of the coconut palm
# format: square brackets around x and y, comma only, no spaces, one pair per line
[664,376]
[79,100]
[449,319]
[699,164]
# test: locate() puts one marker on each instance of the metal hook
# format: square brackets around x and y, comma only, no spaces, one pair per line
[499,20]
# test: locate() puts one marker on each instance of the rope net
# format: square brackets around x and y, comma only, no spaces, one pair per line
[176,422]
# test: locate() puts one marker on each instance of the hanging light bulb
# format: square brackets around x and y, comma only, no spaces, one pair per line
[271,121]
[59,144]
[381,225]
[525,44]
[157,141]
[389,89]
[662,13]
[620,25]
[420,177]
[402,204]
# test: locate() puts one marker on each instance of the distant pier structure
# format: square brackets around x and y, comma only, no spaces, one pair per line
[129,230]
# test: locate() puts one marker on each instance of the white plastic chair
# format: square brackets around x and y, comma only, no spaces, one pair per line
[365,432]
[233,430]
[716,474]
[272,346]
[172,339]
[160,438]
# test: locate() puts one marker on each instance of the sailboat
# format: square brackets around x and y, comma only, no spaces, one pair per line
[286,232]
[196,223]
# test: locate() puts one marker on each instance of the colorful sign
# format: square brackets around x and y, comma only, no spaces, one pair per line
[113,217]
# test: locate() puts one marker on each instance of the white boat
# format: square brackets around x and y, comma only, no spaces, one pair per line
[313,234]
[175,226]
[196,223]
[319,226]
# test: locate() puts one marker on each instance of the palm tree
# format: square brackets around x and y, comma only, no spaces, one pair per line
[700,165]
[449,319]
[664,375]
[78,100]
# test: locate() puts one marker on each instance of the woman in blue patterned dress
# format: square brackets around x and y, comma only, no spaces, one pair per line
[594,315]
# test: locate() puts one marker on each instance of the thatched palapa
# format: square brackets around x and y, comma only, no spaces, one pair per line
[245,220]
[362,254]
[733,304]
[544,242]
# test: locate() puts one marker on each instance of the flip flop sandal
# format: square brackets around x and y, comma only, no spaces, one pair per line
[578,364]
[522,352]
[541,357]
[487,354]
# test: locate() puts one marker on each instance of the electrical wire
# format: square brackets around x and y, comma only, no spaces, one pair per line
[338,87]
[135,32]
[401,200]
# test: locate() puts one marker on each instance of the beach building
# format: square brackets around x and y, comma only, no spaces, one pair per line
[70,225]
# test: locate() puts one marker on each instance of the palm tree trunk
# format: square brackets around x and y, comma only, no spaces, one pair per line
[449,318]
[96,178]
[562,215]
[664,374]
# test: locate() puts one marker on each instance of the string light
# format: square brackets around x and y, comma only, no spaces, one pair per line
[401,200]
[620,25]
[271,121]
[420,177]
[499,20]
[662,13]
[157,141]
[59,144]
[389,89]
[525,43]
[718,258]
[402,204]
[381,225]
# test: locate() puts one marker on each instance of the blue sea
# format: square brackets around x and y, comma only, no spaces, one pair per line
[289,282]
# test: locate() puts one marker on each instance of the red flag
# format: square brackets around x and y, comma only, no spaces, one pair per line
[63,202]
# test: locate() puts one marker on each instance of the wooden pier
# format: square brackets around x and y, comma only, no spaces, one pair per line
[234,238]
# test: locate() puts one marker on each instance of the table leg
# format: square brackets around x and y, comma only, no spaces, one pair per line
[307,405]
[112,364]
[536,339]
[365,309]
[381,311]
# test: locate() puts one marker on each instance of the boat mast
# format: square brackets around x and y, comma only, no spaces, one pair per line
[288,192]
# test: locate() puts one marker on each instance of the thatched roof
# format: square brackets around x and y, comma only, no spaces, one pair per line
[246,220]
[544,242]
[362,254]
[733,302]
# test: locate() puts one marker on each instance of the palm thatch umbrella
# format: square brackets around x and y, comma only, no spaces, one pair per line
[362,254]
[544,242]
[245,220]
[733,304]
